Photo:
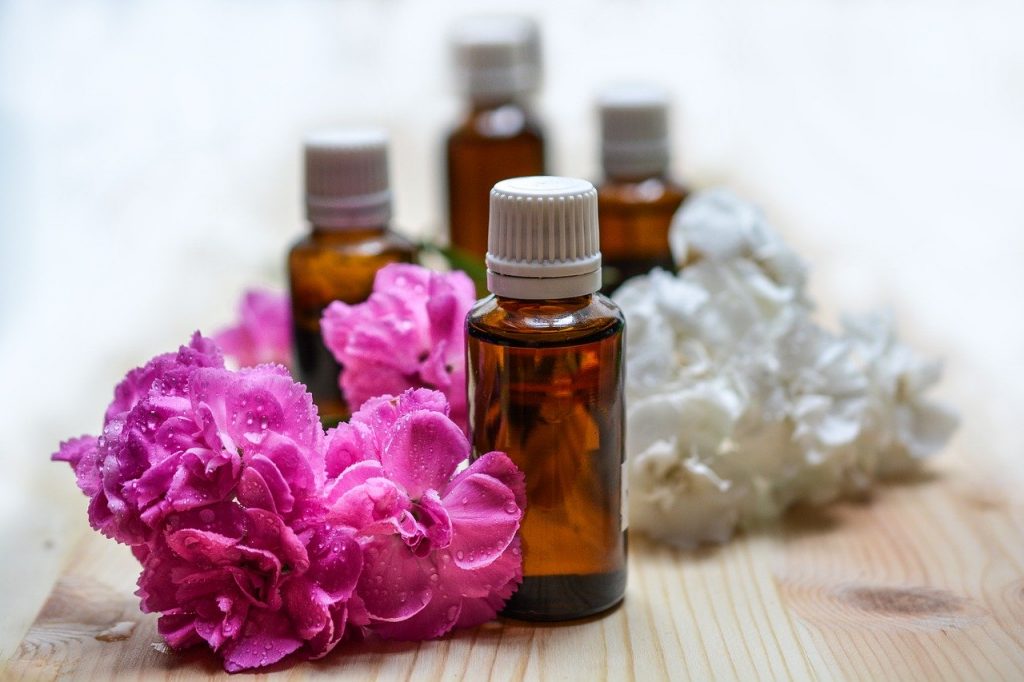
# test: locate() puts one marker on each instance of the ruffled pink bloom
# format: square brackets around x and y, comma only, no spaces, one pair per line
[410,333]
[249,585]
[108,467]
[183,432]
[440,547]
[263,333]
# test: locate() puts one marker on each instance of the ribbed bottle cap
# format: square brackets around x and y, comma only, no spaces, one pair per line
[543,238]
[347,178]
[634,131]
[497,56]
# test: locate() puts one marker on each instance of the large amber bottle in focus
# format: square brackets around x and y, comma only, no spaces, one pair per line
[545,361]
[637,198]
[498,64]
[348,204]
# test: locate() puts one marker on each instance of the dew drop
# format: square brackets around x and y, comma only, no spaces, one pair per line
[460,555]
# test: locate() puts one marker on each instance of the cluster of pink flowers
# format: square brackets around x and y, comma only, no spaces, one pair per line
[262,536]
[410,333]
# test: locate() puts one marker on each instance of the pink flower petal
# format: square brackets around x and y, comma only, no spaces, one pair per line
[498,465]
[254,491]
[267,531]
[424,451]
[371,507]
[394,585]
[263,333]
[446,307]
[81,453]
[436,618]
[347,444]
[178,629]
[267,639]
[308,613]
[485,518]
[338,563]
[414,280]
[381,413]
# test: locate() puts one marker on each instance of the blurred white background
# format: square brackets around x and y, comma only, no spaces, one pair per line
[149,171]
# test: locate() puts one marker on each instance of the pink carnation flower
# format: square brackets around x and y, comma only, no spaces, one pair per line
[109,467]
[249,585]
[263,333]
[183,432]
[441,549]
[408,334]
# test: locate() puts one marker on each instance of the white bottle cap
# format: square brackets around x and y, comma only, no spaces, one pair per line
[634,131]
[347,178]
[497,57]
[543,238]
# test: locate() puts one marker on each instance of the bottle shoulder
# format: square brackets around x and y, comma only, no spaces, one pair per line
[655,191]
[354,242]
[499,123]
[572,321]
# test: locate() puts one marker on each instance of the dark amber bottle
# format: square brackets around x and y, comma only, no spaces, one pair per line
[546,387]
[348,204]
[498,63]
[638,198]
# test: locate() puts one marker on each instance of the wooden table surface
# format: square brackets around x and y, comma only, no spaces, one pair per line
[924,581]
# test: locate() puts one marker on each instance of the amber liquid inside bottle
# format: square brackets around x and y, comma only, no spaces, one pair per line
[495,142]
[635,217]
[333,265]
[545,387]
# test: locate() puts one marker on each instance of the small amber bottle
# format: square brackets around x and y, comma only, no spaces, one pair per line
[546,386]
[348,205]
[637,198]
[497,60]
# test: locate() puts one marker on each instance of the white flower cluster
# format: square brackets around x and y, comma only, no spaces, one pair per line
[738,404]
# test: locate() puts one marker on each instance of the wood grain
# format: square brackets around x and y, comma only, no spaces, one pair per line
[925,581]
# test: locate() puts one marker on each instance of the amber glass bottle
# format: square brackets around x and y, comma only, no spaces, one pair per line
[637,199]
[348,204]
[498,65]
[545,386]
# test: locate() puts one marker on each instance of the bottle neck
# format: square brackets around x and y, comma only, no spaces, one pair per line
[566,301]
[621,178]
[543,288]
[479,104]
[348,234]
